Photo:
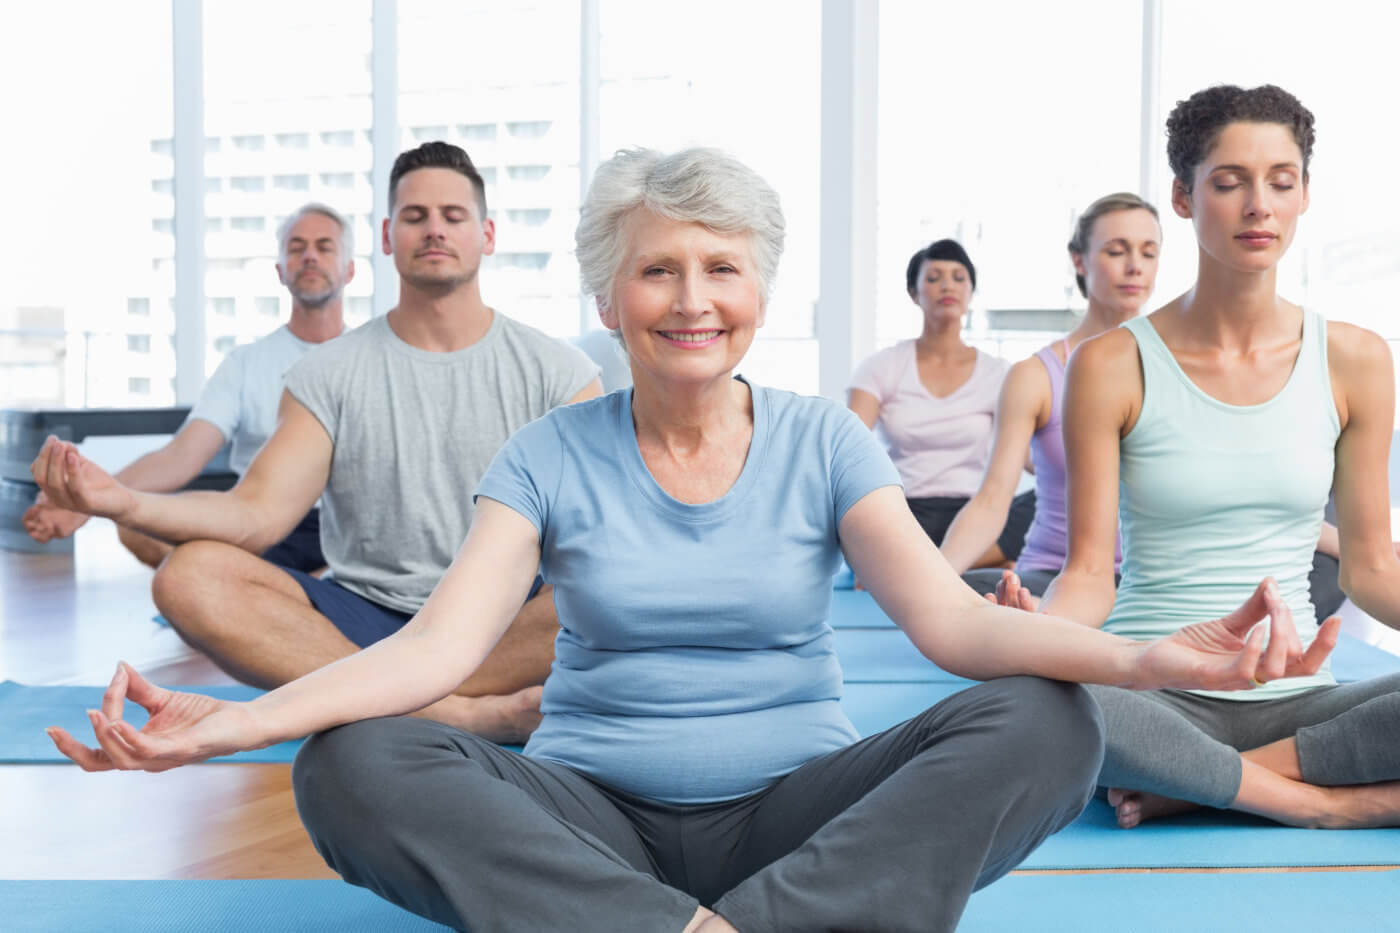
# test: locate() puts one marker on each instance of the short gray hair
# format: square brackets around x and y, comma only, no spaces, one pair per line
[703,186]
[347,236]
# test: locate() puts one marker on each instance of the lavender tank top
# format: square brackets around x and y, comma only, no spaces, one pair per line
[1047,541]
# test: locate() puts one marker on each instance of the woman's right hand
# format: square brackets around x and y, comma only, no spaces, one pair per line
[183,728]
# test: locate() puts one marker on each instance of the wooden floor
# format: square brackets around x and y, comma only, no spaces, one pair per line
[68,619]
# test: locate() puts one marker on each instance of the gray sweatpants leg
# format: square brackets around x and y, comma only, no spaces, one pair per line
[1184,746]
[896,831]
[474,836]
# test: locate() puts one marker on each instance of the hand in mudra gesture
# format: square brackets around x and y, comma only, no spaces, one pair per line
[183,728]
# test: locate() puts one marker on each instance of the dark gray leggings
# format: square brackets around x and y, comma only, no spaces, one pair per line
[1185,746]
[891,833]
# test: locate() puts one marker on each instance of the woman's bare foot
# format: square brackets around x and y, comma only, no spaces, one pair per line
[1135,806]
[507,719]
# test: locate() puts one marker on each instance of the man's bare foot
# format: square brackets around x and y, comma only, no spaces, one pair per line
[507,719]
[1135,806]
[696,922]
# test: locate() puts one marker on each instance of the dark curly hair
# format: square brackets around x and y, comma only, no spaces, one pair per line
[1195,123]
[437,154]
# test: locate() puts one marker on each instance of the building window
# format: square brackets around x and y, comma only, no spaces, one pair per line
[267,307]
[213,185]
[138,343]
[163,185]
[428,133]
[221,306]
[213,224]
[533,217]
[247,183]
[211,144]
[357,307]
[248,224]
[140,307]
[138,385]
[291,182]
[522,260]
[163,146]
[338,179]
[527,172]
[249,143]
[294,140]
[488,174]
[163,225]
[342,139]
[223,344]
[477,132]
[529,129]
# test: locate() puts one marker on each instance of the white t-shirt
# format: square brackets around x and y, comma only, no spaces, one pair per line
[941,446]
[242,396]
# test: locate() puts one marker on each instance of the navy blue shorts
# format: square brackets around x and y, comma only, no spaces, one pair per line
[301,549]
[361,620]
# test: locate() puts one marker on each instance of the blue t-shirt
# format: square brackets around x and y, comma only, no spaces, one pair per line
[694,661]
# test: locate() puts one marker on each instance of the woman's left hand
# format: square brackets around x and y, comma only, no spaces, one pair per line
[1230,653]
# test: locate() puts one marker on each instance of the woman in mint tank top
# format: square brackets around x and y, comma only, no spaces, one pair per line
[1114,250]
[694,769]
[1215,428]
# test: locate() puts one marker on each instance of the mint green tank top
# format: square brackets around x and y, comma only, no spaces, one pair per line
[1214,498]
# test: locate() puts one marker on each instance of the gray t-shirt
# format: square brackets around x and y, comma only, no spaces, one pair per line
[413,432]
[241,398]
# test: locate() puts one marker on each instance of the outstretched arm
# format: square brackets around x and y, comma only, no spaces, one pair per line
[1363,382]
[1022,407]
[280,486]
[423,662]
[168,468]
[967,635]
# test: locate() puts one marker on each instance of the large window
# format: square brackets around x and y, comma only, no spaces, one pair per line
[998,123]
[88,165]
[671,78]
[293,105]
[501,81]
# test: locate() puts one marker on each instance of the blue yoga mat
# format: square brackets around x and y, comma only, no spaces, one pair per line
[25,712]
[187,906]
[1284,902]
[1257,902]
[1208,839]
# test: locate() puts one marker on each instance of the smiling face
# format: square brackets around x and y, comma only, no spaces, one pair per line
[1247,196]
[1120,266]
[942,290]
[436,233]
[311,265]
[686,299]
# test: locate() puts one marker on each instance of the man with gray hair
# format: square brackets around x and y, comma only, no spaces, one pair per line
[239,403]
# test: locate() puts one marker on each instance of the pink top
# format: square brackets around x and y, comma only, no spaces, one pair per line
[940,446]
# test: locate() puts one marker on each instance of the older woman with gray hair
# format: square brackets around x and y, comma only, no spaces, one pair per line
[694,769]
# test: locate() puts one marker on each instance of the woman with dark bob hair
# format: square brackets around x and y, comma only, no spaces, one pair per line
[694,769]
[1114,249]
[932,400]
[1218,424]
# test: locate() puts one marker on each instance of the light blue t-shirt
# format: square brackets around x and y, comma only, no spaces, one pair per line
[242,396]
[694,661]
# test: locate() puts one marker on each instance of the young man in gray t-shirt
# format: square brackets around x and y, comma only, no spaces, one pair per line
[391,426]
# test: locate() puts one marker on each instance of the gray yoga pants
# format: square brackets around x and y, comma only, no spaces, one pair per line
[1181,745]
[891,833]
